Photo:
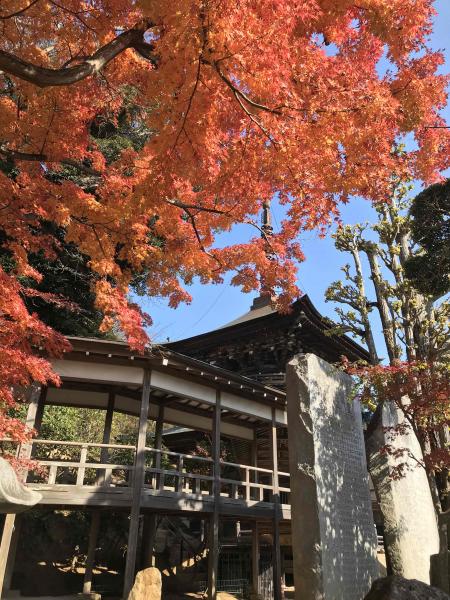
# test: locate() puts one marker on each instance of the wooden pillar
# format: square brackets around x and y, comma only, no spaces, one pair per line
[40,410]
[108,424]
[96,517]
[255,559]
[104,453]
[92,545]
[34,415]
[11,530]
[254,459]
[213,555]
[148,539]
[8,546]
[138,480]
[12,553]
[159,428]
[277,576]
[150,521]
[202,530]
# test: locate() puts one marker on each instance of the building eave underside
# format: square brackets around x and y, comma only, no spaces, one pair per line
[86,350]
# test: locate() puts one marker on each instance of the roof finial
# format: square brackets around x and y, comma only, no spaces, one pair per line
[265,299]
[266,220]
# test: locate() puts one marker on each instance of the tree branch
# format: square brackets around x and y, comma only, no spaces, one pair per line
[44,77]
[199,239]
[244,97]
[198,207]
[18,12]
[30,157]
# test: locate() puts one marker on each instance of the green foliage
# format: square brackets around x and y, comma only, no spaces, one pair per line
[429,270]
[72,424]
[68,275]
[128,130]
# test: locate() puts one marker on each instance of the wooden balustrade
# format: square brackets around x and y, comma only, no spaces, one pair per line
[71,463]
[179,473]
[256,485]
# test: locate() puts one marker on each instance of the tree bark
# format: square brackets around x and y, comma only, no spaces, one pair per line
[44,77]
[383,308]
[368,335]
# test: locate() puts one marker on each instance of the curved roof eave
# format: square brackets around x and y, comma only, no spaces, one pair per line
[265,315]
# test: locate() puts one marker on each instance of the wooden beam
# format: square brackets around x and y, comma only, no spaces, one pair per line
[90,558]
[109,416]
[277,575]
[138,480]
[95,521]
[104,452]
[148,539]
[213,556]
[12,553]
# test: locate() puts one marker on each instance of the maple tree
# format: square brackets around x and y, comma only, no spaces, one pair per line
[239,101]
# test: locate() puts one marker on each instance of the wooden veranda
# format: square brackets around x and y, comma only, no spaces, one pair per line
[168,388]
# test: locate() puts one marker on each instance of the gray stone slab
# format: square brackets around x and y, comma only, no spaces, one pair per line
[333,534]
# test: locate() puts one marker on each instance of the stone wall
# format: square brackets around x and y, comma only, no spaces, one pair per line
[333,534]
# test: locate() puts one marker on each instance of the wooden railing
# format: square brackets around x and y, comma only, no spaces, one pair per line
[82,464]
[112,465]
[180,473]
[245,482]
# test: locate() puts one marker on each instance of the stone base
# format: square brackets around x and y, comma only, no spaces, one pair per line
[399,588]
[90,596]
[440,571]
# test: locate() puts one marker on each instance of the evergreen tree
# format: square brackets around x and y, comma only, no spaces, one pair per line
[429,270]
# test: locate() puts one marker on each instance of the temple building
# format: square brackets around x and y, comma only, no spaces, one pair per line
[259,343]
[218,519]
[204,490]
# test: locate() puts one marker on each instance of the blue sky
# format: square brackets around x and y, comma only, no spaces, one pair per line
[215,305]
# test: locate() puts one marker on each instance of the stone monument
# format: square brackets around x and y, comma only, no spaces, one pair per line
[333,534]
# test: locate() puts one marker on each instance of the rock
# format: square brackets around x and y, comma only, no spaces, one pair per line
[398,588]
[14,496]
[147,585]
